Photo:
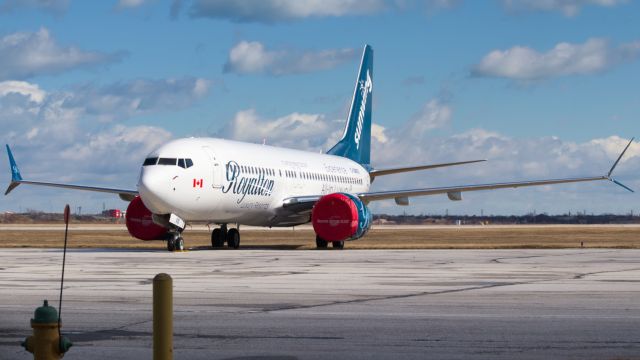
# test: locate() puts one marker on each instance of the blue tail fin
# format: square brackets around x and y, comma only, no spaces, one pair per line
[356,140]
[15,172]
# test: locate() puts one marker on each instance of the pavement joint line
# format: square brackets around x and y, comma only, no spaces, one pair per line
[600,251]
[583,275]
[392,297]
[425,293]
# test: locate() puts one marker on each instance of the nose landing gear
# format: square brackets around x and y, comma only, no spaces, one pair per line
[221,235]
[175,242]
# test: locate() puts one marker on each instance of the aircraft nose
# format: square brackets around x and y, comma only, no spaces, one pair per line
[153,191]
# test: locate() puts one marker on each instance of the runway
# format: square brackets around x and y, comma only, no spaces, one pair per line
[355,304]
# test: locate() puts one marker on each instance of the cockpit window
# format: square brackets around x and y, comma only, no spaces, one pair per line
[150,161]
[167,161]
[183,163]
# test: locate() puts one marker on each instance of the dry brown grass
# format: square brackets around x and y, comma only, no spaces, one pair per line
[508,237]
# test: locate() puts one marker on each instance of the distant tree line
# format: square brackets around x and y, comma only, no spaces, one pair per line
[578,218]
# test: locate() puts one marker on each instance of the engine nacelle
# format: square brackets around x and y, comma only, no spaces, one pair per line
[140,222]
[340,216]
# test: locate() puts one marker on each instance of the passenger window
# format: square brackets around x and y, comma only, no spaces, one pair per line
[150,161]
[167,161]
[181,163]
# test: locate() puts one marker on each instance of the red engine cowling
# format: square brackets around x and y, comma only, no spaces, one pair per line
[340,216]
[140,224]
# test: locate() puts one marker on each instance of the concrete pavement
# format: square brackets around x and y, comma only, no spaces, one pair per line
[357,304]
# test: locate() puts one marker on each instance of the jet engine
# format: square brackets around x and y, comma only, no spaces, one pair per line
[340,216]
[140,222]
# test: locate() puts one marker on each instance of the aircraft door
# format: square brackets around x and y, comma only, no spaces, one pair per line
[217,169]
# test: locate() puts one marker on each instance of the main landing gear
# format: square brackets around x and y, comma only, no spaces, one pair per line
[221,235]
[175,242]
[323,244]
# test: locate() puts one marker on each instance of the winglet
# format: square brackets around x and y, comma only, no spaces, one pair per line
[16,178]
[616,164]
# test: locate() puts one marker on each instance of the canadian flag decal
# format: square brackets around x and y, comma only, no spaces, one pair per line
[197,182]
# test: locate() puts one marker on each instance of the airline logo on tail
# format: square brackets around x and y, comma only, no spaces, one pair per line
[366,90]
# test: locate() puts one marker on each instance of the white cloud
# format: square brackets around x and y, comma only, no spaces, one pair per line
[297,130]
[248,57]
[510,159]
[27,54]
[32,91]
[54,142]
[137,97]
[378,133]
[567,7]
[524,64]
[433,115]
[312,132]
[107,152]
[271,11]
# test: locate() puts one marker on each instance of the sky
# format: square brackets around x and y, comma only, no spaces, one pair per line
[541,89]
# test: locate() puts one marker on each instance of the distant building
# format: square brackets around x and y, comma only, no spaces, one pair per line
[112,213]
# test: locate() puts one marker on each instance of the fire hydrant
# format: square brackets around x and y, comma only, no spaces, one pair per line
[46,342]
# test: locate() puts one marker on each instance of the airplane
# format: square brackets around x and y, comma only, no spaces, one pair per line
[227,182]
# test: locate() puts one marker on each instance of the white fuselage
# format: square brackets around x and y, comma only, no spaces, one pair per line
[237,182]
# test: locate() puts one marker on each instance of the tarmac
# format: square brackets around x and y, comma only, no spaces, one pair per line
[351,304]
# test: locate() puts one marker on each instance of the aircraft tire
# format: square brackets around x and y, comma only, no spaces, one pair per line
[321,243]
[339,245]
[217,241]
[171,245]
[179,243]
[233,238]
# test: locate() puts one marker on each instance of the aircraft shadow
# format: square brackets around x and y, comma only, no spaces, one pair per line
[248,247]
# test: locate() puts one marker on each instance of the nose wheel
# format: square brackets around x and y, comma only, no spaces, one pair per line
[175,242]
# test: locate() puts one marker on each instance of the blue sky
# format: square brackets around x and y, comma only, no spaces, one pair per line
[540,88]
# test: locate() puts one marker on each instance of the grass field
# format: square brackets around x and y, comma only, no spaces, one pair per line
[493,237]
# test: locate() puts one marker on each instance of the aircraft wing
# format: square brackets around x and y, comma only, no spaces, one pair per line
[16,179]
[453,192]
[305,203]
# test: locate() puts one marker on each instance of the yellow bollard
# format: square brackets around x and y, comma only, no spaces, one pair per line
[162,317]
[46,343]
